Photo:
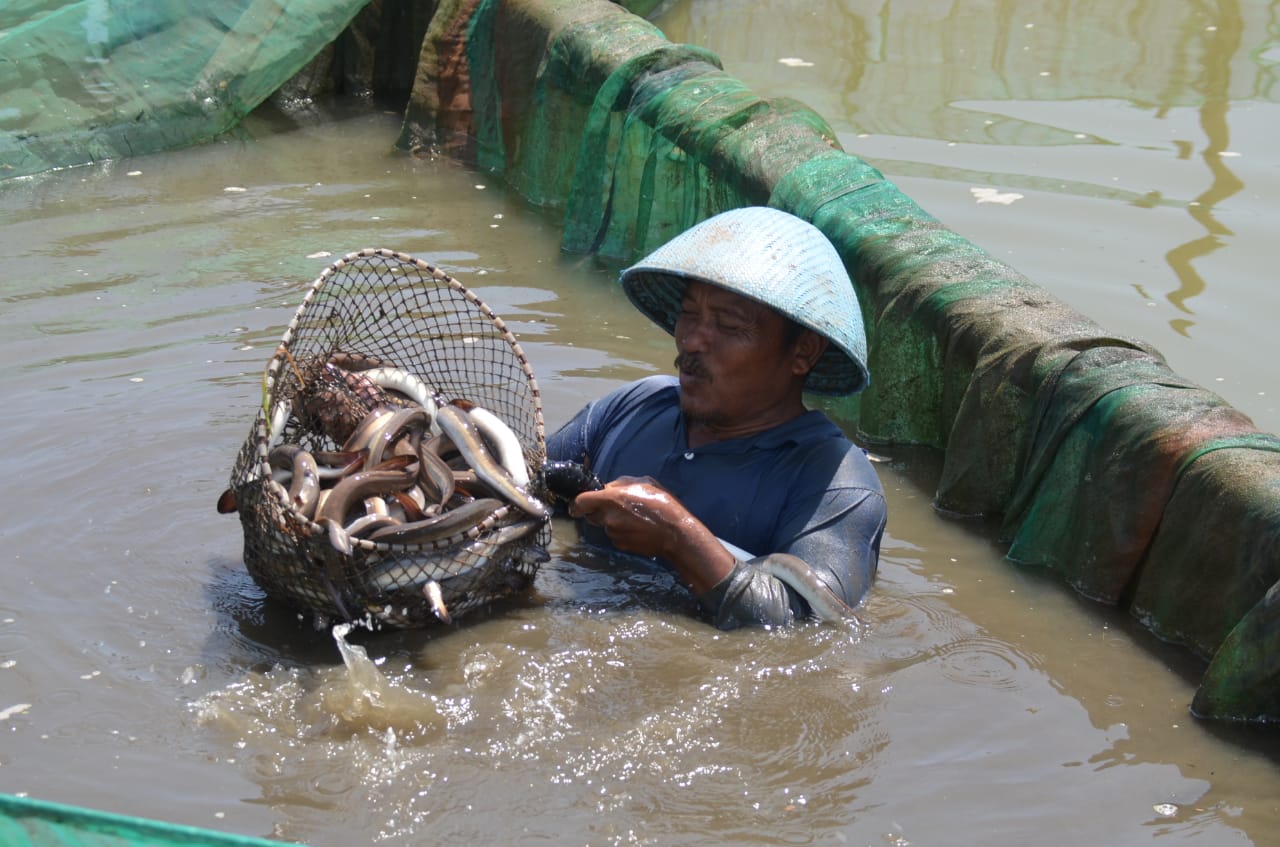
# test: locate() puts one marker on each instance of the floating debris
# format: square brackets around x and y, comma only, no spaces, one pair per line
[994,195]
[15,709]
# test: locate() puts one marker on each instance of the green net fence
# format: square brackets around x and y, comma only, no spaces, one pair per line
[26,822]
[101,79]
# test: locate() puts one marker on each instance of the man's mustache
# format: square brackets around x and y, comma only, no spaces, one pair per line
[691,364]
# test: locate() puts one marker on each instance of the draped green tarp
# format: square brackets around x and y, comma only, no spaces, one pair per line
[25,822]
[100,79]
[1133,484]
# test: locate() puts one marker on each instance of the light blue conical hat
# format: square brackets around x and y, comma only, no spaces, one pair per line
[773,258]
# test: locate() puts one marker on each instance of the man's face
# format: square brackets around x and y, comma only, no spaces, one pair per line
[733,357]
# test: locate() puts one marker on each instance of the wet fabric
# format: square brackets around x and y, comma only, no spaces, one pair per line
[800,488]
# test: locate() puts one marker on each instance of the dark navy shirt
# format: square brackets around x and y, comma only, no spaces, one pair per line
[801,488]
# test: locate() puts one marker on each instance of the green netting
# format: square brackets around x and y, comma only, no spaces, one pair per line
[1235,546]
[561,101]
[607,128]
[38,823]
[1243,681]
[587,108]
[1104,465]
[628,165]
[671,140]
[1111,425]
[101,79]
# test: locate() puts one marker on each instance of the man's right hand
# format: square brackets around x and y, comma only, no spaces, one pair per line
[642,517]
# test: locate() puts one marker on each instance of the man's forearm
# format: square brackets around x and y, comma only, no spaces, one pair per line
[699,557]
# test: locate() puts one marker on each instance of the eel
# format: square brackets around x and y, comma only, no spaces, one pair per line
[505,443]
[408,384]
[796,574]
[475,555]
[304,487]
[388,429]
[381,482]
[457,425]
[445,528]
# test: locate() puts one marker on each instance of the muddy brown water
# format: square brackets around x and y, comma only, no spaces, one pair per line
[142,671]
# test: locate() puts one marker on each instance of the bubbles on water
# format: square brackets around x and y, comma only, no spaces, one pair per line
[283,706]
[1165,810]
[480,666]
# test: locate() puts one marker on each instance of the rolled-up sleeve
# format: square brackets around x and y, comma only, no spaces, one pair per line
[749,597]
[839,540]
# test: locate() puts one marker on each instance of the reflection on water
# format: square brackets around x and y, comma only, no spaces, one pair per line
[899,68]
[1139,134]
[142,671]
[1214,85]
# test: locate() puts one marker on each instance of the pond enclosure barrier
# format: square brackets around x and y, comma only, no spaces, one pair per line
[1132,484]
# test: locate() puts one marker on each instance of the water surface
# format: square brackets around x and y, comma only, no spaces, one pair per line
[142,672]
[1120,154]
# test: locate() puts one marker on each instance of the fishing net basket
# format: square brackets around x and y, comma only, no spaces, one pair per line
[385,309]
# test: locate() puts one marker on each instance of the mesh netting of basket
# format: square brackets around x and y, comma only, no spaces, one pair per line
[392,474]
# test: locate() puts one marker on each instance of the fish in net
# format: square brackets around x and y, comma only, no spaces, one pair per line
[393,472]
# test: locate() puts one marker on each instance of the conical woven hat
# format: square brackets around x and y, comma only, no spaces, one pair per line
[773,258]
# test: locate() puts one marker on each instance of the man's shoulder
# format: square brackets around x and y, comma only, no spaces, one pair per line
[827,452]
[656,388]
[641,400]
[811,432]
[655,384]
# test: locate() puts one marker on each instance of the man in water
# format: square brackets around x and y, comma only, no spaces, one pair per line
[724,458]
